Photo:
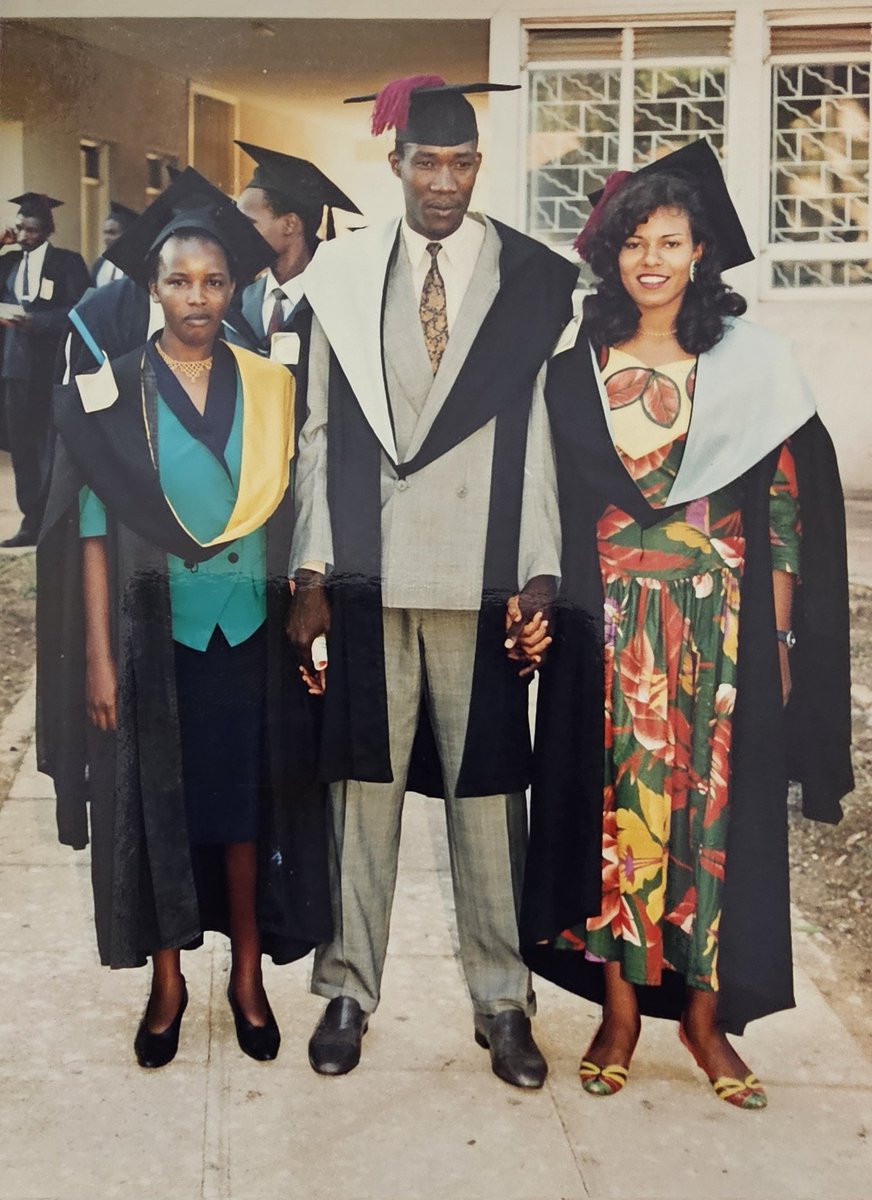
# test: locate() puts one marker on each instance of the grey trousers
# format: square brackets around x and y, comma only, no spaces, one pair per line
[432,651]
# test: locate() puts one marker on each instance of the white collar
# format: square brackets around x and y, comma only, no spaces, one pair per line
[37,256]
[462,245]
[292,288]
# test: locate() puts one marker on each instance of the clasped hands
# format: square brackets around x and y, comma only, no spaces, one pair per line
[527,624]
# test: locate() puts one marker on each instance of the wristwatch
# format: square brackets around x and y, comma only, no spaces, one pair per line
[787,636]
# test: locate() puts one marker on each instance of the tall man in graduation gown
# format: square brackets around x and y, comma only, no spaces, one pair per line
[425,497]
[45,282]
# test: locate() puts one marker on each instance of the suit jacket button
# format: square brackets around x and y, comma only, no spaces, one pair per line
[233,557]
[402,484]
[461,491]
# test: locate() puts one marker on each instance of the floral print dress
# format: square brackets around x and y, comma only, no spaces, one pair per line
[671,645]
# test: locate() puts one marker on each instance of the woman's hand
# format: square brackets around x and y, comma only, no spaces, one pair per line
[101,691]
[526,640]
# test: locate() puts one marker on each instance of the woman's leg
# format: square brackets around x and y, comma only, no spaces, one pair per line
[713,1052]
[615,1040]
[167,990]
[246,979]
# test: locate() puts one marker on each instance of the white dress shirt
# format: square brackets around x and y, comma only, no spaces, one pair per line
[456,261]
[293,291]
[34,260]
[107,272]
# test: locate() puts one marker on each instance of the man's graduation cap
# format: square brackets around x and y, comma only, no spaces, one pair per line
[698,163]
[306,189]
[191,204]
[39,205]
[426,110]
[122,214]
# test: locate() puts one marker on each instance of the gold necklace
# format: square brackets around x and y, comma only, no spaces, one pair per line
[643,333]
[192,370]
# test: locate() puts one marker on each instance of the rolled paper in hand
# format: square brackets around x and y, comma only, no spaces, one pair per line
[319,652]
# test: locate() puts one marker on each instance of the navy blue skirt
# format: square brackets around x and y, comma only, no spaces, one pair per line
[221,695]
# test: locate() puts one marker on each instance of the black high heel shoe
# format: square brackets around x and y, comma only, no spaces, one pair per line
[257,1041]
[157,1049]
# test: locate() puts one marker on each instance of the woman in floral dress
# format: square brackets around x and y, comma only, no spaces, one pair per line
[672,560]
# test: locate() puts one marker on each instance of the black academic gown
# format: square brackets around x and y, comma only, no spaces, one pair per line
[29,353]
[809,741]
[496,381]
[149,893]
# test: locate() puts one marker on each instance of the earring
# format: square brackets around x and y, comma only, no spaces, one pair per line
[692,271]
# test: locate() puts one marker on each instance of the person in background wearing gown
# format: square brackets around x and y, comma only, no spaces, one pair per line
[704,587]
[162,658]
[120,218]
[42,282]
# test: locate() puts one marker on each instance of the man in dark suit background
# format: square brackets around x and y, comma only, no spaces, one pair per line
[41,283]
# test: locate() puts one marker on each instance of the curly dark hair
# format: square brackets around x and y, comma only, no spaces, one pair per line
[610,316]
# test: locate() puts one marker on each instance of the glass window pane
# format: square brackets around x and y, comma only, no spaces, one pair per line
[676,105]
[819,181]
[572,147]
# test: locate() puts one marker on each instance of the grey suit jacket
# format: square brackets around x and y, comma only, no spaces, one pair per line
[434,523]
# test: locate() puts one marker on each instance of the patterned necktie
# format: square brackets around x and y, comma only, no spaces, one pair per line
[276,317]
[434,316]
[25,295]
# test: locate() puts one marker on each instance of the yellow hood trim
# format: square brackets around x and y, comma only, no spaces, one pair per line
[267,444]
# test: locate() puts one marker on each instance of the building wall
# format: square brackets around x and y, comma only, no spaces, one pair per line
[62,90]
[831,333]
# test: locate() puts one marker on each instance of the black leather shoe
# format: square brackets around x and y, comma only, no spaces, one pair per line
[515,1057]
[334,1047]
[157,1049]
[18,540]
[257,1041]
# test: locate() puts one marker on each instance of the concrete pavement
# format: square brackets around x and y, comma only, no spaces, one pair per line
[422,1118]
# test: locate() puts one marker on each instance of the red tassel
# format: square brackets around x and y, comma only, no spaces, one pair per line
[614,183]
[391,108]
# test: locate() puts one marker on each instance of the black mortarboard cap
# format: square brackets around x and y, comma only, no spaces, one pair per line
[428,111]
[122,214]
[35,198]
[295,178]
[191,202]
[698,162]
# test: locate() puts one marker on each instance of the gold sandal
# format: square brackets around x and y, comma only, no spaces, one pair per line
[602,1081]
[747,1093]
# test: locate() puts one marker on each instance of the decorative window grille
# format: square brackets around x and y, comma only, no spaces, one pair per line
[819,194]
[608,97]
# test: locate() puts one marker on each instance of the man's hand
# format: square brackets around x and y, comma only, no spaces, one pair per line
[528,619]
[309,618]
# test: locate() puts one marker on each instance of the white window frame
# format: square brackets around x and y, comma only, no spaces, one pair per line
[772,252]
